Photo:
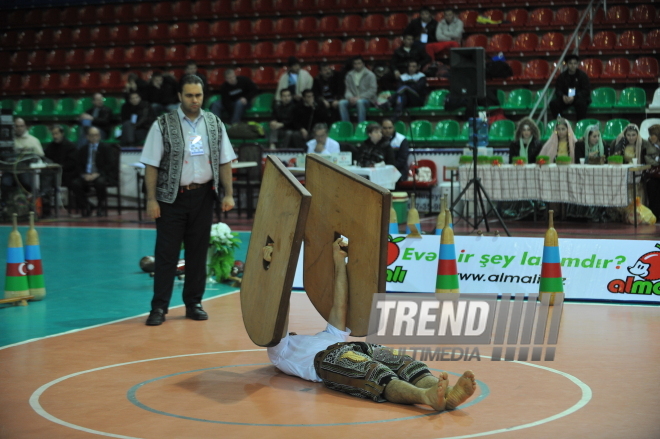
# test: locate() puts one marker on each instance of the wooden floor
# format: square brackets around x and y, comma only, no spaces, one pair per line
[82,364]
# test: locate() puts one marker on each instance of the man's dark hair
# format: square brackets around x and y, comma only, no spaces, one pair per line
[571,57]
[133,92]
[57,127]
[190,79]
[307,90]
[373,127]
[359,57]
[191,63]
[387,119]
[408,35]
[284,90]
[156,73]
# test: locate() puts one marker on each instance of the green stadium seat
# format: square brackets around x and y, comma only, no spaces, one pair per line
[66,108]
[401,128]
[518,100]
[341,131]
[41,132]
[446,132]
[208,102]
[602,99]
[464,134]
[360,134]
[421,131]
[112,136]
[25,108]
[632,98]
[613,128]
[83,105]
[45,109]
[501,132]
[71,133]
[582,125]
[8,104]
[434,105]
[262,106]
[263,140]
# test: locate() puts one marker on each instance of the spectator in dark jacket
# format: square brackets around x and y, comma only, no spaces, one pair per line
[423,28]
[399,144]
[99,115]
[135,83]
[136,117]
[407,52]
[191,69]
[162,93]
[412,90]
[308,113]
[376,148]
[63,152]
[236,95]
[282,132]
[572,89]
[328,90]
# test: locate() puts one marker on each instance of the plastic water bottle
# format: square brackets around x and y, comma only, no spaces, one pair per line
[482,132]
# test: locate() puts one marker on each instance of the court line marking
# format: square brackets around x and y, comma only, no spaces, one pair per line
[132,397]
[36,405]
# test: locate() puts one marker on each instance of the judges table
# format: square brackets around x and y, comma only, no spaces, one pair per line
[588,185]
[36,169]
[385,176]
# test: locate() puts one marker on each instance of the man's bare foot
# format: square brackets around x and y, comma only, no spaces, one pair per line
[435,396]
[464,388]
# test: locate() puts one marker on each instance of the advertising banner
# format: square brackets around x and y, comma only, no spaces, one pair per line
[593,269]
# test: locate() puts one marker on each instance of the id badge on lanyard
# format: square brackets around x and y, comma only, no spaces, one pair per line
[195,143]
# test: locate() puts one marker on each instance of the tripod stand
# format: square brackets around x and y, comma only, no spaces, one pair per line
[475,182]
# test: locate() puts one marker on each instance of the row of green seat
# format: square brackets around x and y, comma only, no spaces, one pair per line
[42,132]
[64,109]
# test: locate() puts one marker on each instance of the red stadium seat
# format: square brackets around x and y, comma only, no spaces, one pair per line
[306,6]
[494,15]
[81,36]
[265,76]
[16,18]
[500,43]
[630,40]
[642,14]
[536,69]
[396,43]
[354,47]
[284,27]
[644,67]
[143,12]
[262,28]
[69,16]
[617,14]
[159,33]
[263,51]
[262,7]
[517,18]
[243,71]
[87,15]
[32,16]
[516,67]
[135,56]
[568,16]
[198,53]
[469,17]
[114,57]
[70,82]
[62,37]
[308,50]
[241,8]
[31,83]
[378,47]
[11,84]
[221,8]
[284,5]
[241,53]
[241,29]
[616,68]
[604,40]
[284,50]
[155,57]
[652,40]
[56,59]
[179,33]
[37,60]
[593,67]
[50,83]
[313,70]
[331,49]
[9,39]
[162,11]
[307,27]
[90,82]
[75,59]
[139,33]
[112,82]
[599,16]
[118,35]
[220,30]
[584,44]
[374,23]
[396,23]
[216,77]
[327,6]
[105,14]
[476,40]
[199,31]
[25,39]
[202,10]
[219,53]
[18,61]
[43,38]
[124,13]
[349,24]
[551,42]
[182,10]
[328,26]
[95,58]
[540,18]
[525,42]
[176,55]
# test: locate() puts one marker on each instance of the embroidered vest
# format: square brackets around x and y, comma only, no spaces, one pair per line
[171,163]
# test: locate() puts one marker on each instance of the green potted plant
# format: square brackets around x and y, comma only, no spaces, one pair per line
[519,160]
[542,160]
[496,160]
[222,244]
[465,160]
[615,160]
[483,160]
[563,160]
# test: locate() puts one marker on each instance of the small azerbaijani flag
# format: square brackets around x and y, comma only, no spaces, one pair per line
[442,217]
[394,222]
[16,283]
[447,280]
[35,273]
[551,278]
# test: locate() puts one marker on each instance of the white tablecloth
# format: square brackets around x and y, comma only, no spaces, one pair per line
[385,176]
[588,185]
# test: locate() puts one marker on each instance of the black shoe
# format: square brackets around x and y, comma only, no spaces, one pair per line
[196,312]
[156,317]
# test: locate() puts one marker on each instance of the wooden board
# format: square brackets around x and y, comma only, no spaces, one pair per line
[344,203]
[266,288]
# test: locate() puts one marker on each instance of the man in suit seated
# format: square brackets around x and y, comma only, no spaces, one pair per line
[97,167]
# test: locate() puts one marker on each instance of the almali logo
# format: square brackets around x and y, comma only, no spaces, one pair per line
[398,274]
[648,269]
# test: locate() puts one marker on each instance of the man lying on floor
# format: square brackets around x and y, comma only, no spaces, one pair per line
[362,369]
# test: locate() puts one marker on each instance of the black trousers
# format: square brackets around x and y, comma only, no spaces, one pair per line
[187,220]
[79,186]
[557,106]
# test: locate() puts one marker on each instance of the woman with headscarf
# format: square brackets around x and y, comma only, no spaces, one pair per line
[630,145]
[527,141]
[652,177]
[561,143]
[590,146]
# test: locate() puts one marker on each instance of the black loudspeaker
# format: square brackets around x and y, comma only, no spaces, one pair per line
[467,76]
